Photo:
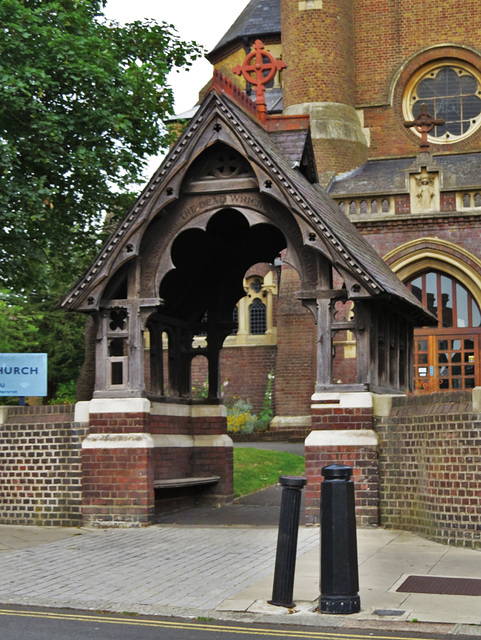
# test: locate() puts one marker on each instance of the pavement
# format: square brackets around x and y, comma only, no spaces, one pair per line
[219,562]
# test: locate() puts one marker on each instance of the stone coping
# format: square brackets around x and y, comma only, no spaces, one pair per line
[342,438]
[339,400]
[148,441]
[143,405]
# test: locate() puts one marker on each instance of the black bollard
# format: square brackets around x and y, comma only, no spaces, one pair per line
[283,589]
[339,570]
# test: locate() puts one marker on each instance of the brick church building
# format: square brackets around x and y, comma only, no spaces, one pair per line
[317,218]
[361,71]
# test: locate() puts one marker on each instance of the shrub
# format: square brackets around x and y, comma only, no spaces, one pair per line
[240,418]
[66,393]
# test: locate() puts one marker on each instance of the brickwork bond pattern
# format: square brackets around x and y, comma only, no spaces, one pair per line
[363,461]
[296,350]
[430,468]
[118,486]
[317,48]
[246,369]
[341,418]
[40,467]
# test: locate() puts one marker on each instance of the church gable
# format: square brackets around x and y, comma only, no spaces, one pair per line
[223,147]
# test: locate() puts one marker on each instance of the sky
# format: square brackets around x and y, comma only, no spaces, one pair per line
[204,21]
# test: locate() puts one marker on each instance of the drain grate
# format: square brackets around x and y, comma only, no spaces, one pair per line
[441,586]
[388,612]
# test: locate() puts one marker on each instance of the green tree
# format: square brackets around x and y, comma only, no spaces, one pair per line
[17,326]
[82,100]
[82,104]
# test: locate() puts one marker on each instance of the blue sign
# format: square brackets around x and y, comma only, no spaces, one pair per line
[23,374]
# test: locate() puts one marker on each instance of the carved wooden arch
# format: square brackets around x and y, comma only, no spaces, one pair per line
[200,199]
[192,214]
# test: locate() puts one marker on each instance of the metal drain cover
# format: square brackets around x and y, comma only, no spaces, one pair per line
[441,586]
[389,612]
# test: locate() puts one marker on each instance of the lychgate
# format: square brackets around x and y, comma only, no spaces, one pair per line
[234,191]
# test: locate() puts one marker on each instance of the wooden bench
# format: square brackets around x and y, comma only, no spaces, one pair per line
[175,483]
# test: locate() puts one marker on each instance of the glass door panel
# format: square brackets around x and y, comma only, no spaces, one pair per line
[446,362]
[456,362]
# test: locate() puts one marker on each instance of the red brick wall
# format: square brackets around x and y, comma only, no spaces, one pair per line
[216,461]
[342,418]
[118,483]
[173,462]
[119,422]
[118,486]
[246,369]
[40,467]
[387,32]
[430,467]
[296,350]
[363,461]
[317,48]
[395,38]
[460,230]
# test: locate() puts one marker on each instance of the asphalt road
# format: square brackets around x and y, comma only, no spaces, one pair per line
[23,623]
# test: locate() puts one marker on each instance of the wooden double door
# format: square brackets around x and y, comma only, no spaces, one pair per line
[446,359]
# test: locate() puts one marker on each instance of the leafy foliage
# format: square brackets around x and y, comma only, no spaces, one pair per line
[82,100]
[66,393]
[81,107]
[17,327]
[240,418]
[266,413]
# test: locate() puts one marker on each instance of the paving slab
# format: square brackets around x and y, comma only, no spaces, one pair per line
[200,563]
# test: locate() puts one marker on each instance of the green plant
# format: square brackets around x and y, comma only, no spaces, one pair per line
[266,413]
[240,418]
[200,390]
[66,393]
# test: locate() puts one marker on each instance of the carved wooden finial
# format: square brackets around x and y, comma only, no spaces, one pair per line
[424,123]
[258,72]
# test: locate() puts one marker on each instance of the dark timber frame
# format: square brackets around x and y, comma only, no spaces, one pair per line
[224,199]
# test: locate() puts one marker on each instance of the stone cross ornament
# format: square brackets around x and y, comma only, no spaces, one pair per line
[424,123]
[259,67]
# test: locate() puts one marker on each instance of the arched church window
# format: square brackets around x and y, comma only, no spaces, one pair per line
[447,357]
[447,299]
[254,314]
[257,317]
[450,91]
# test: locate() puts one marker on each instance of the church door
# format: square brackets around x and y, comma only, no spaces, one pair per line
[447,357]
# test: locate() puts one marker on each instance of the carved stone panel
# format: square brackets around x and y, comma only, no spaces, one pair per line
[424,191]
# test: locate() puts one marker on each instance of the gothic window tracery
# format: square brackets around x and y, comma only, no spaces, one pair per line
[257,317]
[450,91]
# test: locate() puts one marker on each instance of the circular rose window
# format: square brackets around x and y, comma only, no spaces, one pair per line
[450,92]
